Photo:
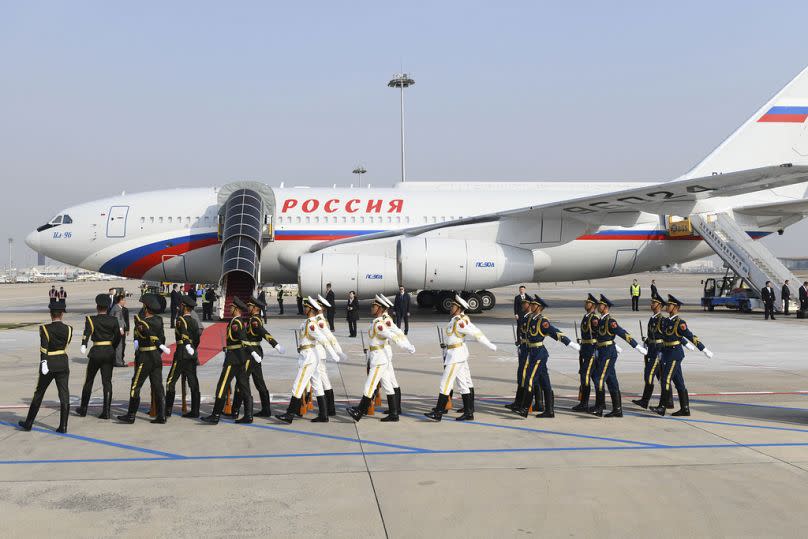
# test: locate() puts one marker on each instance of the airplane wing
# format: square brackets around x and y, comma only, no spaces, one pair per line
[793,207]
[622,208]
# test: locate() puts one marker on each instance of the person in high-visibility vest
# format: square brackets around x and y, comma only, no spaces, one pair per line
[634,290]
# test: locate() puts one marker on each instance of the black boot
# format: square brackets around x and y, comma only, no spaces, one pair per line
[64,413]
[647,391]
[392,412]
[236,406]
[322,410]
[583,406]
[549,405]
[291,410]
[468,408]
[331,405]
[523,407]
[660,409]
[106,406]
[24,425]
[538,397]
[81,411]
[600,402]
[134,403]
[248,412]
[160,418]
[617,404]
[215,415]
[194,413]
[356,412]
[265,410]
[462,409]
[397,393]
[437,413]
[684,402]
[517,400]
[169,403]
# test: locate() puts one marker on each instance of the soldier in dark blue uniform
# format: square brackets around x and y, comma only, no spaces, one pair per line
[521,351]
[587,353]
[150,345]
[675,336]
[653,342]
[105,332]
[53,365]
[607,329]
[538,328]
[186,357]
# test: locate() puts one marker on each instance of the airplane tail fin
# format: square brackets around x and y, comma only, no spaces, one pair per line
[777,133]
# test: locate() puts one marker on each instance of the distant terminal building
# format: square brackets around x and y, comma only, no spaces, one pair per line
[795,263]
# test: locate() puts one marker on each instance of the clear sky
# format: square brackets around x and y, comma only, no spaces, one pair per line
[100,97]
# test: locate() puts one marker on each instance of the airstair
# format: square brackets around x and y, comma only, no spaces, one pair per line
[245,227]
[745,256]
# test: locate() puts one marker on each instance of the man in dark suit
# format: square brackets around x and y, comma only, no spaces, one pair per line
[352,313]
[517,302]
[785,293]
[804,296]
[654,291]
[402,308]
[175,303]
[767,295]
[330,311]
[125,314]
[262,297]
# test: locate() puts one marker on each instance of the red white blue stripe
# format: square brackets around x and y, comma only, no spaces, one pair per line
[782,114]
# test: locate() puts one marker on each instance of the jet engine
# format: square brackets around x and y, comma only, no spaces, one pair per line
[453,264]
[366,274]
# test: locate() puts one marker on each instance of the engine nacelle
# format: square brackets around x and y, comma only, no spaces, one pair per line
[452,264]
[367,275]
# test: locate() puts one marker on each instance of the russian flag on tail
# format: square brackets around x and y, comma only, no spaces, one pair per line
[785,115]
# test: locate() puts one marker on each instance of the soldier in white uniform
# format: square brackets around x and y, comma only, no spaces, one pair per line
[322,368]
[380,332]
[310,337]
[402,341]
[456,366]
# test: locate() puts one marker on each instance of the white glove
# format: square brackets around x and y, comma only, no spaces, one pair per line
[491,346]
[280,349]
[619,350]
[708,353]
[411,349]
[137,344]
[189,349]
[575,346]
[342,356]
[83,350]
[335,358]
[641,349]
[165,349]
[256,356]
[44,366]
[689,346]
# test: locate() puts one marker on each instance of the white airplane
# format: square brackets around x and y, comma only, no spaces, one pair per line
[442,236]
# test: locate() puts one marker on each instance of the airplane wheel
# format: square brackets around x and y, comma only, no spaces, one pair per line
[474,301]
[444,304]
[488,299]
[425,299]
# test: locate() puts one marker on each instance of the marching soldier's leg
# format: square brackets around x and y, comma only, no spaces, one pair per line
[614,392]
[42,383]
[106,385]
[446,384]
[520,380]
[171,385]
[243,385]
[529,382]
[302,378]
[156,383]
[547,390]
[371,381]
[263,390]
[193,386]
[600,389]
[221,392]
[387,387]
[64,399]
[667,372]
[684,398]
[134,393]
[466,388]
[648,381]
[587,361]
[89,377]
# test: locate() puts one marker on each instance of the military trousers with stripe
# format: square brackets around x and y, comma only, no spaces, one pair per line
[671,373]
[148,366]
[586,371]
[234,366]
[379,374]
[456,373]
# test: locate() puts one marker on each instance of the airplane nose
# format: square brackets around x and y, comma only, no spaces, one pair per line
[32,240]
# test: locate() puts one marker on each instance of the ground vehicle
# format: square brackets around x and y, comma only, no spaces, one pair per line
[731,292]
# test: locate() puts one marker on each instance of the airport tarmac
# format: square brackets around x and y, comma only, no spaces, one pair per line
[737,467]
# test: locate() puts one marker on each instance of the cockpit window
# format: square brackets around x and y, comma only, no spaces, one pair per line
[57,220]
[66,220]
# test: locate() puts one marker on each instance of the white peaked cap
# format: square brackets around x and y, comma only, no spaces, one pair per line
[460,301]
[385,300]
[323,300]
[380,300]
[313,303]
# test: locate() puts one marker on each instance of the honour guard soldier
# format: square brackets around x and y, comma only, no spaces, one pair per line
[149,341]
[187,336]
[675,335]
[310,336]
[538,328]
[105,332]
[456,365]
[653,342]
[325,327]
[236,365]
[53,365]
[380,333]
[522,321]
[256,332]
[587,353]
[607,329]
[403,342]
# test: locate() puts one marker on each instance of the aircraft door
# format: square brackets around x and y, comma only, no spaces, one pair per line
[174,269]
[624,261]
[116,221]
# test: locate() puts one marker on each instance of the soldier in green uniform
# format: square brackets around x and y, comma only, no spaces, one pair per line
[236,364]
[150,344]
[105,332]
[653,342]
[186,335]
[587,353]
[53,365]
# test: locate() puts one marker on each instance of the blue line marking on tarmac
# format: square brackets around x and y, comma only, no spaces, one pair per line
[725,423]
[101,442]
[751,405]
[334,437]
[555,433]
